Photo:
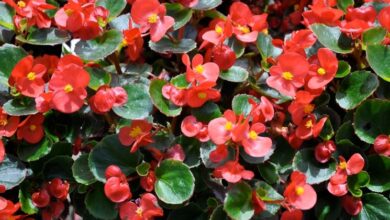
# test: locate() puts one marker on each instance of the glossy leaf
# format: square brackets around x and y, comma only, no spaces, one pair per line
[205,5]
[234,74]
[373,35]
[357,181]
[33,152]
[20,107]
[378,56]
[375,206]
[98,78]
[161,103]
[6,16]
[58,166]
[238,202]
[378,165]
[10,55]
[115,7]
[12,172]
[165,45]
[332,38]
[241,105]
[181,14]
[98,205]
[343,70]
[266,48]
[81,171]
[45,37]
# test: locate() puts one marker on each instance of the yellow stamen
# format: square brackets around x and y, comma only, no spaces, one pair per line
[102,22]
[3,122]
[139,211]
[252,135]
[228,126]
[321,71]
[153,18]
[309,124]
[69,12]
[21,4]
[244,29]
[218,29]
[343,165]
[124,42]
[265,31]
[287,75]
[33,127]
[299,190]
[31,76]
[135,132]
[308,108]
[68,88]
[199,69]
[202,95]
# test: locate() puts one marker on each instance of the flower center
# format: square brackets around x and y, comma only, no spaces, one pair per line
[21,4]
[308,108]
[102,22]
[3,122]
[244,29]
[252,135]
[199,69]
[343,165]
[228,126]
[202,95]
[218,29]
[124,42]
[287,75]
[33,127]
[321,71]
[299,190]
[139,211]
[69,12]
[68,88]
[152,19]
[31,76]
[135,132]
[309,124]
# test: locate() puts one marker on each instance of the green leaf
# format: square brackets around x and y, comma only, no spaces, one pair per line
[191,211]
[207,112]
[109,151]
[240,104]
[138,105]
[355,88]
[45,37]
[181,14]
[191,147]
[99,205]
[283,155]
[205,5]
[121,22]
[344,4]
[12,172]
[161,103]
[375,207]
[266,48]
[305,162]
[355,182]
[238,202]
[81,171]
[374,36]
[332,38]
[143,169]
[343,70]
[236,46]
[58,166]
[10,55]
[25,200]
[219,214]
[115,7]
[207,148]
[99,77]
[268,194]
[100,47]
[378,166]
[372,119]
[234,74]
[6,16]
[180,81]
[165,45]
[175,182]
[20,107]
[327,208]
[327,131]
[378,56]
[269,172]
[33,152]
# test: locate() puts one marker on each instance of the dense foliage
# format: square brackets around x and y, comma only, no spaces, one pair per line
[194,109]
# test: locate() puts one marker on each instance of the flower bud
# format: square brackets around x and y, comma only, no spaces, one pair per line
[41,198]
[323,151]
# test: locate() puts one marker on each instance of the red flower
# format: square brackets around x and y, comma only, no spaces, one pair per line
[176,95]
[151,15]
[105,98]
[147,182]
[117,189]
[309,127]
[2,151]
[28,78]
[295,214]
[43,103]
[175,152]
[298,193]
[58,188]
[8,124]
[31,129]
[357,20]
[220,129]
[219,154]
[323,15]
[146,209]
[220,30]
[41,198]
[53,211]
[254,145]
[8,208]
[384,18]
[133,42]
[223,56]
[289,73]
[258,204]
[301,106]
[113,171]
[300,40]
[323,151]
[190,126]
[49,61]
[200,94]
[262,112]
[199,71]
[338,182]
[69,91]
[352,205]
[233,172]
[382,144]
[137,134]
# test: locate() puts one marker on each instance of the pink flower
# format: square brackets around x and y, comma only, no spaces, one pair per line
[233,172]
[199,71]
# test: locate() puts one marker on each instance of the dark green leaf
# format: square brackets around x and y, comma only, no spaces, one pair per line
[162,104]
[6,16]
[58,166]
[81,171]
[181,14]
[268,194]
[20,107]
[343,70]
[357,181]
[375,207]
[99,205]
[378,167]
[180,81]
[238,202]
[269,172]
[138,105]
[241,105]
[175,182]
[205,5]
[191,211]
[100,47]
[266,48]
[99,77]
[165,45]
[207,112]
[332,38]
[234,74]
[207,148]
[115,7]
[236,46]
[378,56]
[12,172]
[143,169]
[374,35]
[372,119]
[305,162]
[355,88]
[10,55]
[45,37]
[33,152]
[344,4]
[219,214]
[26,203]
